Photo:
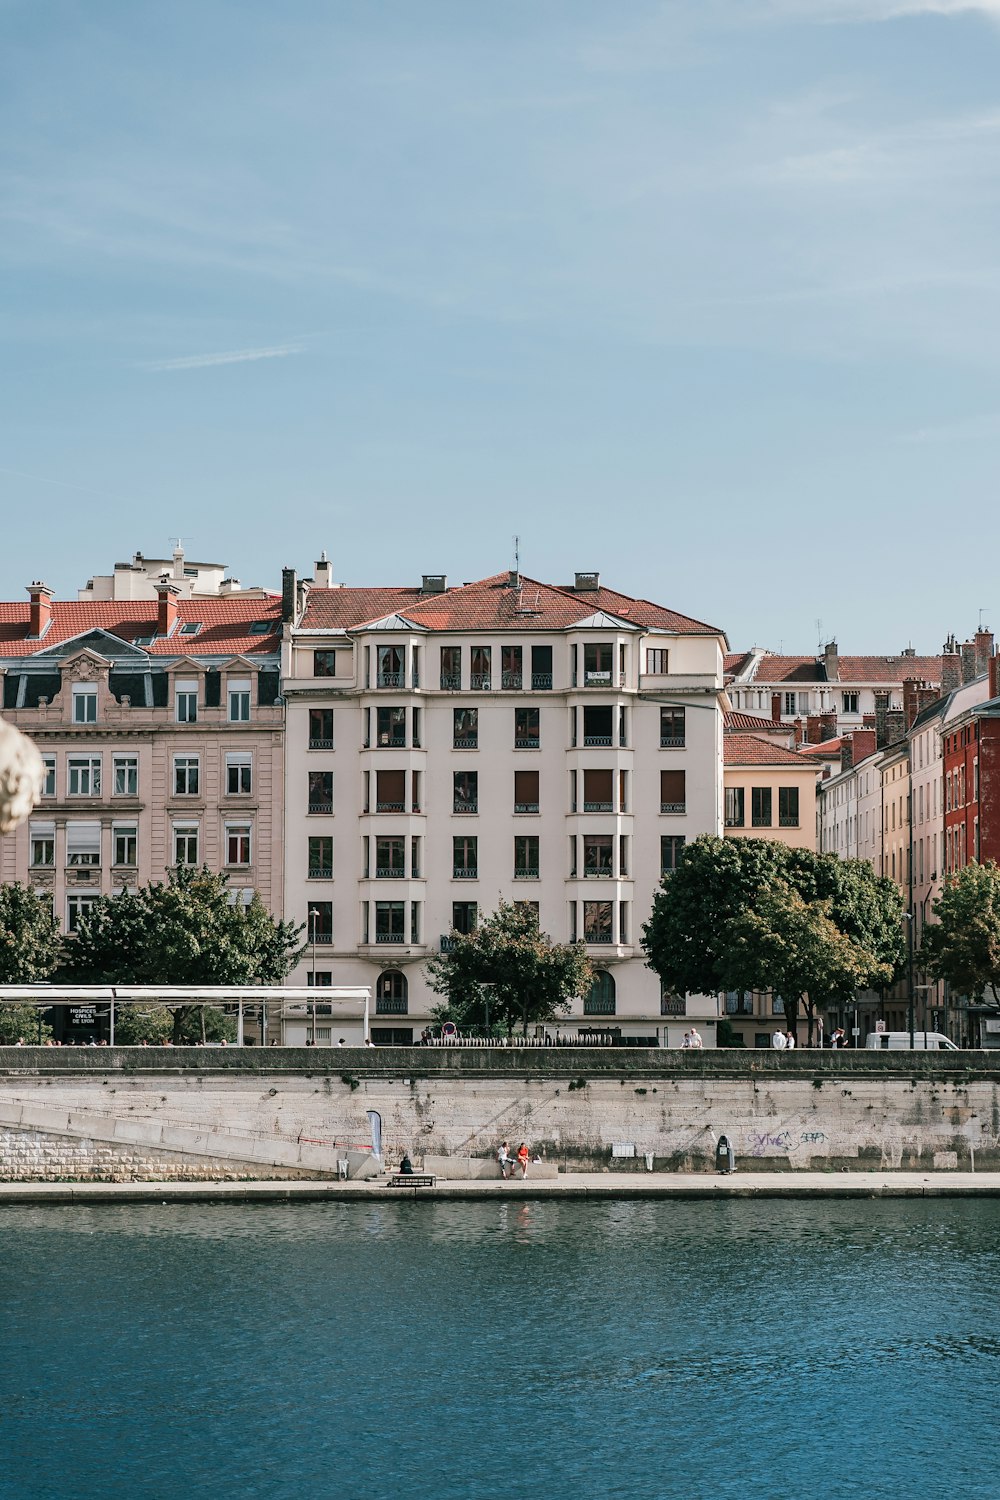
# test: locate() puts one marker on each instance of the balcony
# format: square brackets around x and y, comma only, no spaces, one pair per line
[447,943]
[597,938]
[785,821]
[321,807]
[391,679]
[467,742]
[479,682]
[321,872]
[318,744]
[673,807]
[511,679]
[389,872]
[528,872]
[466,807]
[465,872]
[597,739]
[758,822]
[541,682]
[451,682]
[390,742]
[394,807]
[527,742]
[525,807]
[602,874]
[672,742]
[386,1006]
[598,807]
[390,937]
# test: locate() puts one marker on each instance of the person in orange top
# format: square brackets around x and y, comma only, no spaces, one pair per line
[522,1158]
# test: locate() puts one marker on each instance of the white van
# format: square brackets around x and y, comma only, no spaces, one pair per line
[899,1041]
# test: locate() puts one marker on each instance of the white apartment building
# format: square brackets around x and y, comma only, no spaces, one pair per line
[447,747]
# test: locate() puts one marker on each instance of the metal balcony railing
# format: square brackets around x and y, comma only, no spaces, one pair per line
[321,872]
[466,807]
[451,682]
[599,1006]
[321,807]
[466,742]
[465,872]
[525,807]
[541,682]
[391,679]
[601,874]
[479,682]
[673,807]
[597,739]
[511,679]
[387,1006]
[526,742]
[671,742]
[390,937]
[318,744]
[447,942]
[598,807]
[527,872]
[390,807]
[597,937]
[788,821]
[389,872]
[391,742]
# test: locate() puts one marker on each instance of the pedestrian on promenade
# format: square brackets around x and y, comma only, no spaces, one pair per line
[789,1040]
[696,1040]
[522,1158]
[779,1041]
[503,1161]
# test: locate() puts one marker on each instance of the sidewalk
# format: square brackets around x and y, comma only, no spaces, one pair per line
[578,1185]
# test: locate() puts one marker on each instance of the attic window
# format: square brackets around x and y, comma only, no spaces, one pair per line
[143,640]
[190,627]
[260,627]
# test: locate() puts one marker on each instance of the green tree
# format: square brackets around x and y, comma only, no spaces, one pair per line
[24,1022]
[510,968]
[795,948]
[154,1024]
[30,940]
[962,945]
[184,931]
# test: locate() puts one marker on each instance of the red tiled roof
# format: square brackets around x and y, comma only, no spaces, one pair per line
[224,623]
[850,669]
[489,604]
[828,747]
[750,750]
[734,719]
[734,662]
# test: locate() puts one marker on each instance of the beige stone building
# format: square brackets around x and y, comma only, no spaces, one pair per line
[160,725]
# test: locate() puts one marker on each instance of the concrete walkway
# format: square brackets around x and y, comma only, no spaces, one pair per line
[578,1185]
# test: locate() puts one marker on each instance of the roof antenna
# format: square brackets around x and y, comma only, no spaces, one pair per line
[819,637]
[981,613]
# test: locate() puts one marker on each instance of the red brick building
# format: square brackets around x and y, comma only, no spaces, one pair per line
[971,769]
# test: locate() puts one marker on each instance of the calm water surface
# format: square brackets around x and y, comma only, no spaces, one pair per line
[474,1350]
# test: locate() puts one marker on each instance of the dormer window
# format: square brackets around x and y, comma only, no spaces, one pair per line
[259,627]
[190,627]
[84,703]
[186,702]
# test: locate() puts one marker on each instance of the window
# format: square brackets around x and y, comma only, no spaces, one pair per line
[321,857]
[850,702]
[735,806]
[391,667]
[525,791]
[466,729]
[186,702]
[320,784]
[126,768]
[84,775]
[541,668]
[672,728]
[466,792]
[319,979]
[777,1005]
[324,663]
[186,775]
[671,1004]
[42,838]
[463,916]
[597,725]
[390,727]
[738,1003]
[390,922]
[526,857]
[479,675]
[125,844]
[49,782]
[391,994]
[760,806]
[239,702]
[673,791]
[414,921]
[185,843]
[451,668]
[598,791]
[192,627]
[390,858]
[465,858]
[597,920]
[789,703]
[656,662]
[511,670]
[321,729]
[239,773]
[600,999]
[84,703]
[78,908]
[390,791]
[623,855]
[598,664]
[598,856]
[319,923]
[788,807]
[416,729]
[415,858]
[526,729]
[238,844]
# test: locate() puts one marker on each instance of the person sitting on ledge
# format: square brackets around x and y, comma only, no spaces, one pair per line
[406,1167]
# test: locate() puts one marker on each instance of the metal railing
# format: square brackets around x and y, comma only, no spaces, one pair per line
[529,872]
[390,937]
[598,807]
[511,679]
[527,741]
[479,682]
[466,807]
[391,679]
[451,682]
[390,807]
[321,807]
[541,682]
[597,739]
[465,872]
[321,872]
[672,741]
[673,807]
[318,744]
[389,872]
[525,807]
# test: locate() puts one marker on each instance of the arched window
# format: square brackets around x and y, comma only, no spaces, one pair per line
[391,994]
[601,1000]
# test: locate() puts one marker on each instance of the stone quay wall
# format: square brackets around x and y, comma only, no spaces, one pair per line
[143,1114]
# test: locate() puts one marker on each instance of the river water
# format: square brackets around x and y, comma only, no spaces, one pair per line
[543,1350]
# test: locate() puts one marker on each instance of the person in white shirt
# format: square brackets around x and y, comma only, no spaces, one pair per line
[779,1041]
[696,1040]
[790,1040]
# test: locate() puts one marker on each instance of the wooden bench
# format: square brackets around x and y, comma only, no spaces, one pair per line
[413,1179]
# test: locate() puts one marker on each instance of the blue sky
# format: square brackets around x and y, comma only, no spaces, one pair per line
[704,293]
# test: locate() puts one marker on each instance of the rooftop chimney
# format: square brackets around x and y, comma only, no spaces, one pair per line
[831,661]
[951,670]
[863,745]
[776,708]
[983,641]
[916,696]
[41,609]
[289,593]
[994,671]
[166,612]
[587,583]
[968,653]
[178,556]
[434,583]
[322,572]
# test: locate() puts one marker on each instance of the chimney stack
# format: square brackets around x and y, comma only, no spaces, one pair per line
[289,593]
[951,668]
[831,661]
[775,708]
[797,730]
[41,609]
[166,611]
[846,752]
[881,715]
[983,641]
[863,745]
[323,572]
[968,653]
[994,670]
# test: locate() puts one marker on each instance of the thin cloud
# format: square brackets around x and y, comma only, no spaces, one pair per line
[230,357]
[832,11]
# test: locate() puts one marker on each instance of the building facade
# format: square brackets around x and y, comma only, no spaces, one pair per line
[449,747]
